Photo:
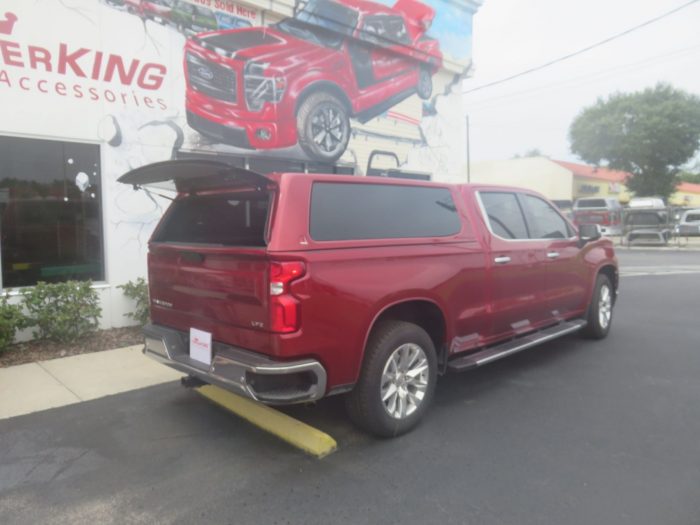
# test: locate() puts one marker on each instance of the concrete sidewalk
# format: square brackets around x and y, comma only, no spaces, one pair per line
[49,384]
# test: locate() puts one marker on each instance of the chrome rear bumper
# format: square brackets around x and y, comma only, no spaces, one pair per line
[252,375]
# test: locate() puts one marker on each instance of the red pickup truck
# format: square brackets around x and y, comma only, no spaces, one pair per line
[300,80]
[287,288]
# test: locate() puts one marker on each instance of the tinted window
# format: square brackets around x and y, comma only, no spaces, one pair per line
[377,211]
[591,203]
[396,30]
[269,165]
[645,218]
[504,215]
[231,219]
[50,213]
[543,220]
[692,217]
[373,30]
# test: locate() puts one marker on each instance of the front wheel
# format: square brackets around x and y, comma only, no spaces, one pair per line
[323,127]
[397,381]
[601,309]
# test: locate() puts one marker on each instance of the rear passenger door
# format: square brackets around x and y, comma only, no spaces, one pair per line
[517,277]
[565,280]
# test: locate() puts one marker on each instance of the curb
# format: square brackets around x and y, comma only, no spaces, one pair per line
[298,434]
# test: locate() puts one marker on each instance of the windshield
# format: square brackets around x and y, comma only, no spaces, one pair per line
[322,22]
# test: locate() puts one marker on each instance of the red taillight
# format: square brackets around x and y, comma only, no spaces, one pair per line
[284,307]
[606,219]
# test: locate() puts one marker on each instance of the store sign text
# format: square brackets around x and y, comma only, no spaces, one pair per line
[82,63]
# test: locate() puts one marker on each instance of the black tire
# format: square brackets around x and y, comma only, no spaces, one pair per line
[323,127]
[365,405]
[424,88]
[596,328]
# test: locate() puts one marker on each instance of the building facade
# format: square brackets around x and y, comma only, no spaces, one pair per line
[91,89]
[568,181]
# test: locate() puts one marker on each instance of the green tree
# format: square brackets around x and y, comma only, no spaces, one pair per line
[650,134]
[690,172]
[689,177]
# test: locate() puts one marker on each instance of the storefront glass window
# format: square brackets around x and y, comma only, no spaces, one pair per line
[50,211]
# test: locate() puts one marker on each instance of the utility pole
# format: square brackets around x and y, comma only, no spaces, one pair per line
[469,174]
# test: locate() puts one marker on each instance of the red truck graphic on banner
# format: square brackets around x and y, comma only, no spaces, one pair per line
[302,79]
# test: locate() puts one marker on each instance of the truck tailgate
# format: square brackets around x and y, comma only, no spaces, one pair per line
[213,289]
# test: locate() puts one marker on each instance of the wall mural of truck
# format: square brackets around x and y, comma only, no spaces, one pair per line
[319,83]
[301,80]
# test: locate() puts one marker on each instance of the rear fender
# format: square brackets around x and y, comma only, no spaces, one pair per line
[440,349]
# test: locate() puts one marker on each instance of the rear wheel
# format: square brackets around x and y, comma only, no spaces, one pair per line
[601,309]
[425,84]
[397,381]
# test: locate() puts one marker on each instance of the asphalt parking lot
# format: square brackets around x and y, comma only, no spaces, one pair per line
[573,432]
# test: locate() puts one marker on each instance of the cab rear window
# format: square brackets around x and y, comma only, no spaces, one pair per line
[346,211]
[228,219]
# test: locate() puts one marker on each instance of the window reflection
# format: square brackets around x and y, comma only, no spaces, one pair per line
[50,211]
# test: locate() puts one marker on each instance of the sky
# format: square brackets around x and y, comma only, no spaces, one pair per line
[535,111]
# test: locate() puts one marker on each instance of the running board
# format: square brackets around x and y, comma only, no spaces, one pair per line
[513,346]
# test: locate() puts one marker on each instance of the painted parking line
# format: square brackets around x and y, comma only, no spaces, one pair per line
[298,434]
[636,271]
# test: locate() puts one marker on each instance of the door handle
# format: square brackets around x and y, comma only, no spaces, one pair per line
[501,260]
[552,255]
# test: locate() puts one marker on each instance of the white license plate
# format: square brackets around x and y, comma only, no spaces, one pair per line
[200,346]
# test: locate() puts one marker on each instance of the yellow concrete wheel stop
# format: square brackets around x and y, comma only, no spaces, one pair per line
[296,433]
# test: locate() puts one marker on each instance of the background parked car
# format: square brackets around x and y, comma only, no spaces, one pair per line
[192,19]
[605,212]
[566,207]
[650,225]
[646,202]
[157,10]
[689,223]
[133,6]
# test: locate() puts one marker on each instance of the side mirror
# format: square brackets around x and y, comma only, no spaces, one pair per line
[588,233]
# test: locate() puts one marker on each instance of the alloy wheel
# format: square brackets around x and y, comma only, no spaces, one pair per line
[404,380]
[328,129]
[604,306]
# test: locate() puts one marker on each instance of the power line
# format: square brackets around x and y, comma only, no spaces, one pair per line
[582,50]
[587,78]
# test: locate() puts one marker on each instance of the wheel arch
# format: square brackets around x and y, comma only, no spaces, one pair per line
[421,311]
[327,86]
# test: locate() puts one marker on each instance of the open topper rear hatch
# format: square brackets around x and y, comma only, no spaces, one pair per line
[192,175]
[208,263]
